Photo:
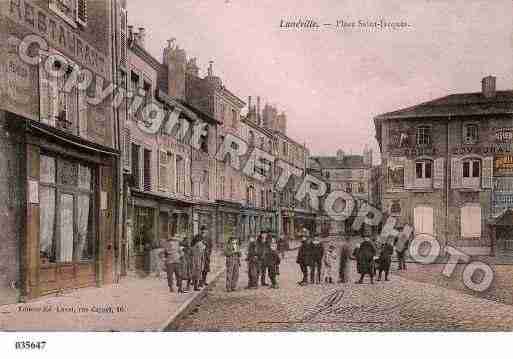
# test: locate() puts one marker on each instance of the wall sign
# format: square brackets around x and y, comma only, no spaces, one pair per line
[503,165]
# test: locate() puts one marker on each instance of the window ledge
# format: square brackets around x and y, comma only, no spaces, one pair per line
[422,189]
[470,189]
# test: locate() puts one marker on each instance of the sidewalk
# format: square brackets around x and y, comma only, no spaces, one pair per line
[134,304]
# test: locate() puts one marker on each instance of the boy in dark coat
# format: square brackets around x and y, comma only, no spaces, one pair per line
[317,255]
[304,259]
[345,255]
[253,263]
[273,263]
[385,259]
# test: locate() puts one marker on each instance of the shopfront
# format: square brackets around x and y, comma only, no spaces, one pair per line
[228,221]
[70,226]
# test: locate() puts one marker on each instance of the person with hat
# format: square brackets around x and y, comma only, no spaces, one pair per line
[345,256]
[252,259]
[365,260]
[232,253]
[304,258]
[329,263]
[198,261]
[317,257]
[207,241]
[173,255]
[186,263]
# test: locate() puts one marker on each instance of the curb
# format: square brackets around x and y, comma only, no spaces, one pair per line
[186,307]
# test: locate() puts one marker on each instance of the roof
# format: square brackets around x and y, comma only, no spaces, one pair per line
[464,104]
[349,161]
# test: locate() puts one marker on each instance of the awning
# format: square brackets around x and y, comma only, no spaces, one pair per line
[70,139]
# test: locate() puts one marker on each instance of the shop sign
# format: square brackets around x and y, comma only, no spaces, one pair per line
[503,134]
[503,165]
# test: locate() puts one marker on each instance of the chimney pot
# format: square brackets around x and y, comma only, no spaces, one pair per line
[488,86]
[210,68]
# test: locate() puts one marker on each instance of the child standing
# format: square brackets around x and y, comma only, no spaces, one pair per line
[273,262]
[330,261]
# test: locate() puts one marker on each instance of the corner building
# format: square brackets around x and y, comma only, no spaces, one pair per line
[447,168]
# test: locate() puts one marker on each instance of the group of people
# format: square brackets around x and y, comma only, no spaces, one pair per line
[372,259]
[188,263]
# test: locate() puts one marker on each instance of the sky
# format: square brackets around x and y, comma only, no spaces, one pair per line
[330,81]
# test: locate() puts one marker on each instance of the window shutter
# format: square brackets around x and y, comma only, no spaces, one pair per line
[82,114]
[187,175]
[456,173]
[127,153]
[487,173]
[45,105]
[438,179]
[409,173]
[82,12]
[163,175]
[72,110]
[123,35]
[172,172]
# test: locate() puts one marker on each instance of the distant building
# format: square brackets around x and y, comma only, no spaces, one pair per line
[349,173]
[448,168]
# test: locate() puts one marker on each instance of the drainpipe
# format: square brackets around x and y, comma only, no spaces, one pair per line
[447,174]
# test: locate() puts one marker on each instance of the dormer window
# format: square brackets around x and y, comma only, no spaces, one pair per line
[471,134]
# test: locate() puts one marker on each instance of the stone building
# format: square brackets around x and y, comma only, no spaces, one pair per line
[257,211]
[349,173]
[59,151]
[447,166]
[210,96]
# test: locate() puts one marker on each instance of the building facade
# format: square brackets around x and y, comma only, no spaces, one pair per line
[349,173]
[447,168]
[60,147]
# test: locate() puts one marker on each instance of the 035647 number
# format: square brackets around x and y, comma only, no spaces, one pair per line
[29,345]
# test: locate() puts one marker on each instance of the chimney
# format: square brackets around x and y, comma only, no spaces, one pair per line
[210,69]
[258,108]
[488,86]
[142,36]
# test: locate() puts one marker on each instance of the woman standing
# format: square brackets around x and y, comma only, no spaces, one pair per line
[198,261]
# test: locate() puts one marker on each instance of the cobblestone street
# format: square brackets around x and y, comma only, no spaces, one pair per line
[397,305]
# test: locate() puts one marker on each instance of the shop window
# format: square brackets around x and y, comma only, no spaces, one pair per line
[67,212]
[471,134]
[471,221]
[423,136]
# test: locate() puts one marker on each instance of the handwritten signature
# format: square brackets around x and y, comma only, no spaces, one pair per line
[332,305]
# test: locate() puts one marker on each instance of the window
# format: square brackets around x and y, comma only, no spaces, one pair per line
[423,220]
[471,221]
[262,143]
[251,139]
[349,187]
[361,187]
[471,169]
[147,170]
[234,119]
[471,134]
[136,173]
[423,136]
[423,169]
[67,213]
[72,11]
[180,174]
[204,141]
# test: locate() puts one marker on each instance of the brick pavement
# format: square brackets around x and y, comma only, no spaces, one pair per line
[398,305]
[147,306]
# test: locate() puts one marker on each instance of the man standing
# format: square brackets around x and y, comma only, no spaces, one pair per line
[207,241]
[304,259]
[345,254]
[264,249]
[252,259]
[365,260]
[401,246]
[317,255]
[385,259]
[173,256]
[232,253]
[198,261]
